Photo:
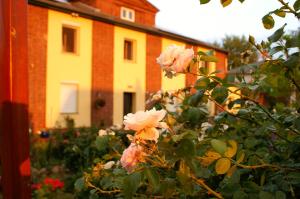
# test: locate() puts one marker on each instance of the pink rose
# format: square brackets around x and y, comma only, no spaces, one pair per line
[175,58]
[168,57]
[148,134]
[141,120]
[132,156]
[183,61]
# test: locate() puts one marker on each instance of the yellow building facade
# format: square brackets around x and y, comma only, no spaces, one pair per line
[99,62]
[65,68]
[129,75]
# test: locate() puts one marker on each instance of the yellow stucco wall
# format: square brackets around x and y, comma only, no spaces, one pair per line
[129,76]
[67,67]
[177,82]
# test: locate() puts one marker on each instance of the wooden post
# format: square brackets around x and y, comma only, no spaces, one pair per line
[14,138]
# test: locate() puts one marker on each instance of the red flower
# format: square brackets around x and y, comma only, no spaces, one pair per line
[54,183]
[36,186]
[57,184]
[48,181]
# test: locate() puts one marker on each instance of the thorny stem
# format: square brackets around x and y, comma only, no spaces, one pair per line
[295,83]
[275,120]
[262,166]
[205,186]
[223,109]
[89,184]
[252,100]
[289,8]
[157,164]
[258,166]
[247,119]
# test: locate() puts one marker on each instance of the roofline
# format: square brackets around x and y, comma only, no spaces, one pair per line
[68,8]
[153,7]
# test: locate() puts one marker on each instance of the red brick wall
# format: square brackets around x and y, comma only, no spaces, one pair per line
[37,61]
[102,73]
[153,70]
[221,64]
[113,7]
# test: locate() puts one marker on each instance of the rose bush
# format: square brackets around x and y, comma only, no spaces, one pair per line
[251,152]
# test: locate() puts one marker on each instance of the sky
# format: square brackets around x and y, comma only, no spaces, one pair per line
[211,22]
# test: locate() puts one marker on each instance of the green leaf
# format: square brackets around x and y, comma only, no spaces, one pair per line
[277,34]
[186,149]
[268,21]
[93,191]
[251,40]
[219,146]
[251,142]
[202,83]
[212,85]
[101,142]
[131,184]
[234,102]
[226,2]
[203,70]
[195,99]
[153,178]
[200,53]
[265,195]
[219,94]
[209,58]
[167,187]
[276,49]
[240,195]
[93,195]
[294,178]
[280,13]
[297,123]
[193,115]
[79,184]
[297,5]
[188,134]
[185,182]
[280,195]
[241,1]
[204,1]
[250,186]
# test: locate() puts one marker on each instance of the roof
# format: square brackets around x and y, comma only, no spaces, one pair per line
[143,3]
[90,12]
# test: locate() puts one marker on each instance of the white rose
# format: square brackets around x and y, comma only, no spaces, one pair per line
[143,119]
[102,132]
[108,165]
[175,58]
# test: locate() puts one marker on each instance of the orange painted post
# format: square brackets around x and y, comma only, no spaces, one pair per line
[14,138]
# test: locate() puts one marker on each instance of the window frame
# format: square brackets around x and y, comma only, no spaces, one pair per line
[127,11]
[133,50]
[76,39]
[76,84]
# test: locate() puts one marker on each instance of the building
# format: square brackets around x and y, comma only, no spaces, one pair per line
[95,60]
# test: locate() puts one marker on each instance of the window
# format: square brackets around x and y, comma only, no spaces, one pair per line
[128,103]
[69,39]
[68,97]
[205,66]
[128,50]
[127,14]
